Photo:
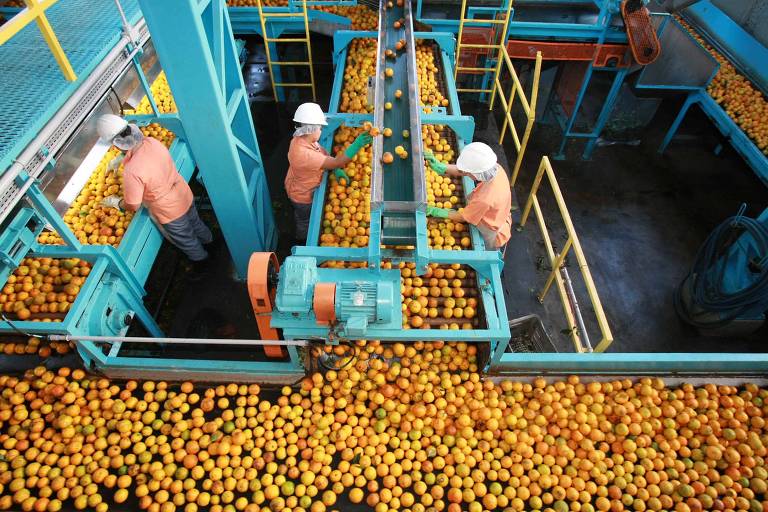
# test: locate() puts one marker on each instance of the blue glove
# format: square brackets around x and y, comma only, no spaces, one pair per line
[438,212]
[435,164]
[362,140]
[340,174]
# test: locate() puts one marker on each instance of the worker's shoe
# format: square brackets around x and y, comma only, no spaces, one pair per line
[199,269]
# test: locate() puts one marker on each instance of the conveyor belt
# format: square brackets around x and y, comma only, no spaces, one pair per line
[32,84]
[401,181]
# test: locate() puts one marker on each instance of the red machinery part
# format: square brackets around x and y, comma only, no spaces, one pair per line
[263,296]
[640,32]
[601,55]
[324,303]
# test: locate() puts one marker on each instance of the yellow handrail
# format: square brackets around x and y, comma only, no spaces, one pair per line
[557,259]
[263,16]
[529,108]
[35,11]
[516,90]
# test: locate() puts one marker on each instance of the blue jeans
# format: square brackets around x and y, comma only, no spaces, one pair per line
[189,233]
[301,214]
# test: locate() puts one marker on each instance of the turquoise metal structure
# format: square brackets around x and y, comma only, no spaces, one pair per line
[487,264]
[102,53]
[200,59]
[33,87]
[108,301]
[748,56]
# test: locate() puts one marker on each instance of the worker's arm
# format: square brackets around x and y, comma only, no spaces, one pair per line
[456,216]
[129,207]
[452,170]
[335,162]
[340,161]
[439,167]
[349,153]
[445,213]
[133,192]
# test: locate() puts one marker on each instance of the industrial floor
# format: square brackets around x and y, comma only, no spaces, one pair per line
[640,217]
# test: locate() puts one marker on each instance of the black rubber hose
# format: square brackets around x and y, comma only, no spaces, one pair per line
[705,284]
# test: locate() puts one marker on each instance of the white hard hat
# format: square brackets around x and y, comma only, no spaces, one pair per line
[310,113]
[476,159]
[109,125]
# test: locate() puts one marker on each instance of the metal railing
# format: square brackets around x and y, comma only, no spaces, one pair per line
[559,274]
[35,11]
[528,106]
[498,45]
[264,17]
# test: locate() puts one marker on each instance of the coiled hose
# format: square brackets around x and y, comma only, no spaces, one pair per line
[701,299]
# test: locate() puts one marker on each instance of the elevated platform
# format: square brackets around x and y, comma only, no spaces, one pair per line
[32,84]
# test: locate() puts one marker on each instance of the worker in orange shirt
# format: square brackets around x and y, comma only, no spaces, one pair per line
[490,203]
[307,161]
[150,178]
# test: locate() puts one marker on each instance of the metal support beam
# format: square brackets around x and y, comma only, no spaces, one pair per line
[197,50]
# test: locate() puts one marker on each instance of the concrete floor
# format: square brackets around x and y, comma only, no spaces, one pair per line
[640,218]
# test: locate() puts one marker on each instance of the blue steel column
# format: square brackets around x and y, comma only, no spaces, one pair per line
[196,47]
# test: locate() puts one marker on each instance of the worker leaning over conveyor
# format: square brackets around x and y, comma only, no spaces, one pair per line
[307,160]
[150,178]
[490,203]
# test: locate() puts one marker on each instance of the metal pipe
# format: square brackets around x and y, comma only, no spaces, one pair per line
[50,129]
[576,310]
[176,341]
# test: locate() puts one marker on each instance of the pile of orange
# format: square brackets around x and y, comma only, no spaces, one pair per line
[444,192]
[15,345]
[741,100]
[409,427]
[43,289]
[361,16]
[361,64]
[445,297]
[347,207]
[427,73]
[92,223]
[161,92]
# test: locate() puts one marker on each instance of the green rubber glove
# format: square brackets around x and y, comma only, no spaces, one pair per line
[435,164]
[340,174]
[362,140]
[438,212]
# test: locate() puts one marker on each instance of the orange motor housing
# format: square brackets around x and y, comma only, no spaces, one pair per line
[263,297]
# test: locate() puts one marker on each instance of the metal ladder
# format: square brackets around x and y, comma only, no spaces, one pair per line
[264,18]
[497,43]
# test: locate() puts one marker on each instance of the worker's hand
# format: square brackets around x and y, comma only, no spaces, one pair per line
[114,164]
[359,143]
[435,164]
[111,202]
[340,175]
[442,213]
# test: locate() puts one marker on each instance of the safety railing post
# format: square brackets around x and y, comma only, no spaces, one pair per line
[458,42]
[557,260]
[531,119]
[556,268]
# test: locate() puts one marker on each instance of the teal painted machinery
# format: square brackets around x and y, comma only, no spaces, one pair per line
[353,303]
